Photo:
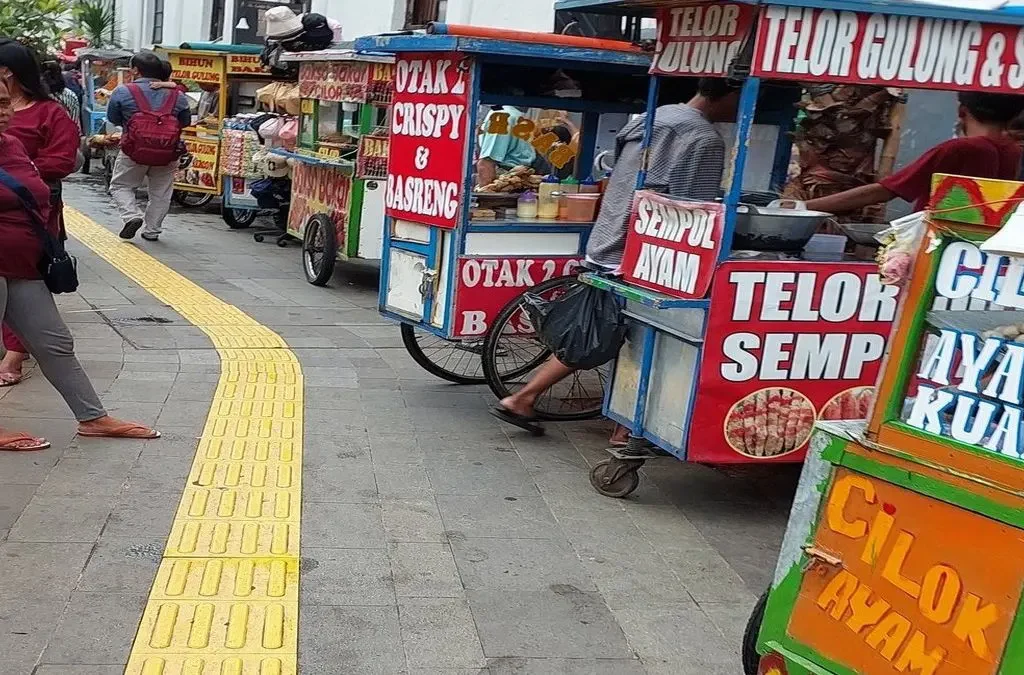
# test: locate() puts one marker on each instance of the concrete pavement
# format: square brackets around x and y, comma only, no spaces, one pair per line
[434,540]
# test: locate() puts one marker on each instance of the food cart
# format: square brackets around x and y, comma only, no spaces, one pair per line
[340,163]
[102,71]
[453,256]
[904,546]
[219,79]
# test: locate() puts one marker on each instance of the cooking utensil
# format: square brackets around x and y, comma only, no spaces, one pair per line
[863,233]
[775,227]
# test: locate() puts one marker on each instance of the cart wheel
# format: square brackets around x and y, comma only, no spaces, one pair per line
[751,659]
[239,219]
[616,477]
[258,238]
[282,242]
[512,352]
[87,164]
[319,249]
[457,362]
[191,200]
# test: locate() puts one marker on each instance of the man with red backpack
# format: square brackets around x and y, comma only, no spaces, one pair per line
[152,119]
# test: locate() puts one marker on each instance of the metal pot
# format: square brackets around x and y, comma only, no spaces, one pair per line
[863,233]
[775,227]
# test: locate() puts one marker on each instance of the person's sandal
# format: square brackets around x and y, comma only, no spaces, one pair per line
[22,443]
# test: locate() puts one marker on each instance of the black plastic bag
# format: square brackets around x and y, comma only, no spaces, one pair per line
[584,328]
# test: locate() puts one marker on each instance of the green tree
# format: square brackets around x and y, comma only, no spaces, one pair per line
[96,20]
[39,23]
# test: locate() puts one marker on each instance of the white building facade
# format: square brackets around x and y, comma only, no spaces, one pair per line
[145,23]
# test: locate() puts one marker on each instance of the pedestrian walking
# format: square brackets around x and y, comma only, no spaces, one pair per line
[26,303]
[51,139]
[152,118]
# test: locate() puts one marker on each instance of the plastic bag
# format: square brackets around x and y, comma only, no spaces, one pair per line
[584,328]
[899,246]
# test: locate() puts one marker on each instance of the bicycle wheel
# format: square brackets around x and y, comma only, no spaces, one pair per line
[191,200]
[512,352]
[457,362]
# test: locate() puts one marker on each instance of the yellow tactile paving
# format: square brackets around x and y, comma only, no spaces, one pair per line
[226,596]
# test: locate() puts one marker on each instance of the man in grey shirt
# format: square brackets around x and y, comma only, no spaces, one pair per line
[687,156]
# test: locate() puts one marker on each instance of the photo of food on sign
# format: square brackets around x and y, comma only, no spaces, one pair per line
[770,422]
[967,383]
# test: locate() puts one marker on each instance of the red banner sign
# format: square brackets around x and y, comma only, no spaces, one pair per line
[672,246]
[334,81]
[429,125]
[700,39]
[786,344]
[795,43]
[319,189]
[486,285]
[373,157]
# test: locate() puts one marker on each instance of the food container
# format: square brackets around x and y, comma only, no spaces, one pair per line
[526,207]
[863,233]
[579,208]
[774,227]
[590,186]
[547,200]
[570,185]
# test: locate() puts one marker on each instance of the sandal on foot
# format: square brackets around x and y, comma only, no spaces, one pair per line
[126,430]
[10,379]
[22,443]
[522,421]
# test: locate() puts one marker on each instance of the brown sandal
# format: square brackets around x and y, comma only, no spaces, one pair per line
[126,430]
[22,443]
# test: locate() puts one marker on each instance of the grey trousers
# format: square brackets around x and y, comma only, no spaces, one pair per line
[28,308]
[128,176]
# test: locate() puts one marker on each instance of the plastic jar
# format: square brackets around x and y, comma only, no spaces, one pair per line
[580,208]
[527,206]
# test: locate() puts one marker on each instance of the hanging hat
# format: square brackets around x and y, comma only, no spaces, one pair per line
[282,24]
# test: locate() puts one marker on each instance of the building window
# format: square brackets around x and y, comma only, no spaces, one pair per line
[158,21]
[418,13]
[217,20]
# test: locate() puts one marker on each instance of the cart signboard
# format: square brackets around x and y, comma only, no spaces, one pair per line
[672,245]
[334,81]
[797,43]
[786,345]
[315,190]
[486,285]
[245,64]
[429,127]
[201,68]
[381,87]
[699,39]
[201,175]
[372,162]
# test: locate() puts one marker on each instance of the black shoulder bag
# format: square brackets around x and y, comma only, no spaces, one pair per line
[58,269]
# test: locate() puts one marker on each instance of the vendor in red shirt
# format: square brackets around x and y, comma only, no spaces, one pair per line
[983,151]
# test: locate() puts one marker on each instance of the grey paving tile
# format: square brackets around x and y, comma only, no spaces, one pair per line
[412,520]
[730,618]
[339,479]
[425,571]
[402,481]
[13,499]
[331,525]
[66,669]
[96,628]
[141,391]
[439,632]
[372,643]
[159,473]
[664,636]
[36,570]
[396,449]
[141,516]
[104,474]
[519,564]
[26,625]
[28,468]
[497,516]
[190,414]
[561,622]
[332,576]
[495,474]
[522,666]
[121,566]
[635,580]
[62,519]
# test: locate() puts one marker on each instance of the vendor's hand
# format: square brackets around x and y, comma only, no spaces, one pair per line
[163,85]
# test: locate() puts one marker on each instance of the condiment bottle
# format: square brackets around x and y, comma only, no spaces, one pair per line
[547,203]
[563,205]
[589,186]
[527,206]
[570,185]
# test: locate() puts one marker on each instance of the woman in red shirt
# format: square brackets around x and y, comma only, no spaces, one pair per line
[51,139]
[26,303]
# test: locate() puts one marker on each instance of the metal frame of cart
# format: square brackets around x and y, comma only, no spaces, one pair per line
[94,116]
[444,319]
[358,111]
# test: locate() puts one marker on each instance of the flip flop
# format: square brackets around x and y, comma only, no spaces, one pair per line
[515,419]
[9,379]
[31,443]
[127,430]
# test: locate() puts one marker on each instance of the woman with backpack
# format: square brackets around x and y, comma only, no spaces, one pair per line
[51,139]
[25,300]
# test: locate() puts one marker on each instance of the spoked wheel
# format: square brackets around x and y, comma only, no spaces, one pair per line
[239,219]
[192,200]
[512,353]
[319,249]
[457,362]
[751,659]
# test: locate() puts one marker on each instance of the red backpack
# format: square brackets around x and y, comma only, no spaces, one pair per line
[151,137]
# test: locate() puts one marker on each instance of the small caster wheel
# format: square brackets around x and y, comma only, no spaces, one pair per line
[283,243]
[258,238]
[615,477]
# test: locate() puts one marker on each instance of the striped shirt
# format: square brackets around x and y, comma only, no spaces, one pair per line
[69,100]
[687,156]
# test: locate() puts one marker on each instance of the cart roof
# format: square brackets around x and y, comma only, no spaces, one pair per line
[991,11]
[520,52]
[338,55]
[100,54]
[215,47]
